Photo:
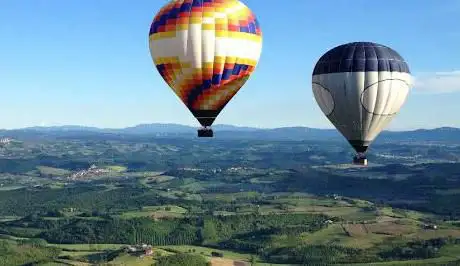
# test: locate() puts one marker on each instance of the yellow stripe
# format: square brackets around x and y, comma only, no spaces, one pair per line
[163,35]
[196,20]
[217,61]
[222,21]
[220,9]
[208,27]
[182,27]
[245,36]
[239,35]
[166,60]
[185,65]
[207,65]
[230,59]
[240,13]
[208,14]
[221,34]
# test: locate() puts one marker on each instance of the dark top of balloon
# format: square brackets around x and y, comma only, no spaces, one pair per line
[360,57]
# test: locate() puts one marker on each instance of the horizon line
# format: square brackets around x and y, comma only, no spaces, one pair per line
[192,126]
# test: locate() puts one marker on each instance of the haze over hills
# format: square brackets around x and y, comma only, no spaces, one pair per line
[447,134]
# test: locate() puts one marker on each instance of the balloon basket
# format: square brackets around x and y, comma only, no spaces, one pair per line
[360,160]
[205,133]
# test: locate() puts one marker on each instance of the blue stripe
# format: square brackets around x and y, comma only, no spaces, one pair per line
[236,69]
[216,78]
[197,91]
[161,69]
[360,57]
[174,13]
[215,81]
[197,3]
[252,27]
[227,73]
[185,7]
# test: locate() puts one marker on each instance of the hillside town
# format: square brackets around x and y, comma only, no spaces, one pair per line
[4,140]
[93,170]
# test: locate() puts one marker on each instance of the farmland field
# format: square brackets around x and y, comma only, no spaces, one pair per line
[85,200]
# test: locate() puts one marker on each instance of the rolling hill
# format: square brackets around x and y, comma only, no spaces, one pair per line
[444,134]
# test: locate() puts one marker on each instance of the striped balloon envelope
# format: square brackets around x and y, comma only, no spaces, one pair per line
[360,87]
[205,50]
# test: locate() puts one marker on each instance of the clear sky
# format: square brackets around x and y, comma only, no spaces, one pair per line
[87,62]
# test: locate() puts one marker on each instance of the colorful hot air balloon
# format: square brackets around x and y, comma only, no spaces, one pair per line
[205,50]
[360,87]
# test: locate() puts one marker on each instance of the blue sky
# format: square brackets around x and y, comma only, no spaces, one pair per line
[87,62]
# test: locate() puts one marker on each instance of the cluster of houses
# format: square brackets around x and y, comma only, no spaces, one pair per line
[93,170]
[214,170]
[4,141]
[430,226]
[191,169]
[140,250]
[334,196]
[237,169]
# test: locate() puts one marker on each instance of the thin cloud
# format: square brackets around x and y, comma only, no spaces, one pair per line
[436,83]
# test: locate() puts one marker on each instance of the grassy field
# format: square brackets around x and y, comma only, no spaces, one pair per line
[56,263]
[409,214]
[428,262]
[154,178]
[344,235]
[391,228]
[376,226]
[229,197]
[57,185]
[78,253]
[12,187]
[156,212]
[86,247]
[334,234]
[348,235]
[68,262]
[12,239]
[128,260]
[74,215]
[116,168]
[51,171]
[207,252]
[429,234]
[9,218]
[361,227]
[335,208]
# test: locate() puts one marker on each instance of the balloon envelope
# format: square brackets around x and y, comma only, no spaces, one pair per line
[205,50]
[360,87]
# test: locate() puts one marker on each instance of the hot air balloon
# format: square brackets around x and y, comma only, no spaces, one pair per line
[205,50]
[360,87]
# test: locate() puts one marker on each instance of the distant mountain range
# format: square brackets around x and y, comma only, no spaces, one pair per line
[447,134]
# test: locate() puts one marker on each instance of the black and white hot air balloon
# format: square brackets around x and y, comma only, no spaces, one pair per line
[360,87]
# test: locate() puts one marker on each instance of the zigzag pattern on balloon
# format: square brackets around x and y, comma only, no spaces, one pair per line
[188,83]
[205,50]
